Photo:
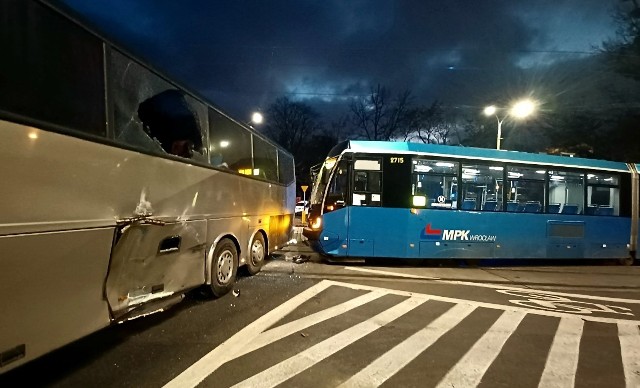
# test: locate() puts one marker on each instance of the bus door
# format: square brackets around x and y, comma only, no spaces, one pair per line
[366,198]
[154,261]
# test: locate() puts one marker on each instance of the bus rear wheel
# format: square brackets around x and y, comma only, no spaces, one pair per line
[257,254]
[224,267]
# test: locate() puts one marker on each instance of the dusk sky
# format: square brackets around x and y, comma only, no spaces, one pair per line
[243,54]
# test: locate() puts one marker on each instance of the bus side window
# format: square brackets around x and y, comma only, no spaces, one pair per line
[168,118]
[150,114]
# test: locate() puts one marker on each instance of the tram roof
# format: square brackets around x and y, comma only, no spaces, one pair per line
[367,146]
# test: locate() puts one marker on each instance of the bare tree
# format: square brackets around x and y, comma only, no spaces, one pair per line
[624,51]
[378,116]
[428,125]
[290,123]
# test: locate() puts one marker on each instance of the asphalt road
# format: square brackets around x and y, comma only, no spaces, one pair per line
[302,322]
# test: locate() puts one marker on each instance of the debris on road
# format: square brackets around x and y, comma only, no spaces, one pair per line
[299,259]
[236,293]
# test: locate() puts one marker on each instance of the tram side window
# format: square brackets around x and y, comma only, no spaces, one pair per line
[603,194]
[434,184]
[229,144]
[481,187]
[51,69]
[152,115]
[265,160]
[526,189]
[566,192]
[367,183]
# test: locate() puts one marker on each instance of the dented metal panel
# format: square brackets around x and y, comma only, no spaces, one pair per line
[152,262]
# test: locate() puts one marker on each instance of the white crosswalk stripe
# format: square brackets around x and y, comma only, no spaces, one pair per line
[391,362]
[469,371]
[629,337]
[560,367]
[294,365]
[562,362]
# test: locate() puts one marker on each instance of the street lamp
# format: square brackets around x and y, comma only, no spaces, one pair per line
[257,118]
[519,110]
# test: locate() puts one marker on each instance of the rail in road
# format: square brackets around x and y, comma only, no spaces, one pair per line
[379,336]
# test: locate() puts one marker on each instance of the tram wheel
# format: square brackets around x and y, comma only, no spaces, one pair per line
[224,267]
[257,253]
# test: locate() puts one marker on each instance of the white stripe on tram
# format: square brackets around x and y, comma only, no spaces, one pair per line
[562,361]
[473,365]
[397,358]
[629,337]
[286,369]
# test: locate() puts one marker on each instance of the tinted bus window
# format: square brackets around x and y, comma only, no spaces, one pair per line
[434,184]
[566,192]
[150,114]
[603,194]
[51,69]
[481,187]
[526,191]
[286,169]
[229,144]
[265,160]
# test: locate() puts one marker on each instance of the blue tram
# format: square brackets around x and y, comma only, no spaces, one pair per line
[427,201]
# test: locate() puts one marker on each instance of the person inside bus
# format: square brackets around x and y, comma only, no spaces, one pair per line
[168,118]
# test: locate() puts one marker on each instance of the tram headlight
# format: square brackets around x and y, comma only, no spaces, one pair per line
[316,223]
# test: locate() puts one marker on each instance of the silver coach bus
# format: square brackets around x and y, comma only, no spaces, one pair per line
[120,189]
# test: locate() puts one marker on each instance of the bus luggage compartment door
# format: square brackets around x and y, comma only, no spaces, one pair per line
[152,262]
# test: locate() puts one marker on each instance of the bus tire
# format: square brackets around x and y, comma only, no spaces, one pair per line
[257,253]
[224,267]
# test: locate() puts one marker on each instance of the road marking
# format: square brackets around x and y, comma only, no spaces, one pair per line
[629,337]
[389,273]
[397,358]
[562,361]
[469,370]
[495,286]
[562,304]
[492,306]
[562,358]
[227,351]
[280,332]
[286,369]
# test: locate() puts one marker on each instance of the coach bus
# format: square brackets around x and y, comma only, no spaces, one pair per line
[423,201]
[121,190]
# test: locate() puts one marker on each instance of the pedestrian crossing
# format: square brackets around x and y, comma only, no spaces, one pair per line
[384,337]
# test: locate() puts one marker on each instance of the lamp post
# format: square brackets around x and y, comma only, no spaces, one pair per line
[519,110]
